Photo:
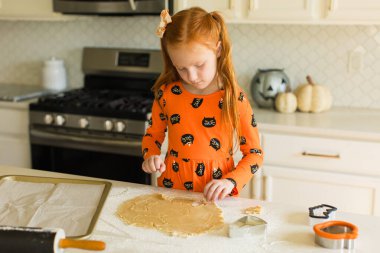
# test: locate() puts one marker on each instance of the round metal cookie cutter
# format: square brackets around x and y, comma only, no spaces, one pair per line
[335,234]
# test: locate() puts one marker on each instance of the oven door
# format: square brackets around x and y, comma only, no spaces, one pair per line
[112,7]
[103,158]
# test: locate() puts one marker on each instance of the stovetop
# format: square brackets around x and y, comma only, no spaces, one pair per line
[97,102]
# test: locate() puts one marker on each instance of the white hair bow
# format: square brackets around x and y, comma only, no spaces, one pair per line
[165,19]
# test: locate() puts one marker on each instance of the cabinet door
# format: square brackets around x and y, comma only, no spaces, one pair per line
[14,137]
[15,122]
[353,11]
[229,8]
[27,9]
[274,11]
[349,193]
[15,152]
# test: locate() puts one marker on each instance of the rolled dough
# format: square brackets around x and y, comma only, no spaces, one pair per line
[175,216]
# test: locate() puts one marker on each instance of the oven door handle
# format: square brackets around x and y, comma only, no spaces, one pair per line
[64,137]
[68,141]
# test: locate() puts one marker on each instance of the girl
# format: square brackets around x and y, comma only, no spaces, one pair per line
[198,102]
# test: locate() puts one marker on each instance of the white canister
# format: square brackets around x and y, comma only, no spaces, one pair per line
[54,75]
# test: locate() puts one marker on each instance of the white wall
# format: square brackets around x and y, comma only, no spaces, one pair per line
[321,51]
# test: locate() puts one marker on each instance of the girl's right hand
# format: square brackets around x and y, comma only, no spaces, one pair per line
[153,163]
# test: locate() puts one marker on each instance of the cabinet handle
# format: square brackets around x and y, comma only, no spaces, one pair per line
[305,153]
[333,5]
[133,4]
[268,186]
[253,4]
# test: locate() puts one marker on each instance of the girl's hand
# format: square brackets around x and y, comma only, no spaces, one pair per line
[218,189]
[153,163]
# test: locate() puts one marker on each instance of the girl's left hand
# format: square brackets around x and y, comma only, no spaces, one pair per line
[218,189]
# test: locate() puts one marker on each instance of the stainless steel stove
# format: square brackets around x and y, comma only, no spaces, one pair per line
[97,130]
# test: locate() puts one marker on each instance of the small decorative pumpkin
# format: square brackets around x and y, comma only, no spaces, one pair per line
[286,102]
[312,97]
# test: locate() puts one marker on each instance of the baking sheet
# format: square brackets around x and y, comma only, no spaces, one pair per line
[71,204]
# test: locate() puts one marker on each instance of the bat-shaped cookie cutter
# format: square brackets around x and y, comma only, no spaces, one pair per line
[321,213]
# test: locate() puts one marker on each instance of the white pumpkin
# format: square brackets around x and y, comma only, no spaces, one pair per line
[286,102]
[312,97]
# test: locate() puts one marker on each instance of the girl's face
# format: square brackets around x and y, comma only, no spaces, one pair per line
[196,64]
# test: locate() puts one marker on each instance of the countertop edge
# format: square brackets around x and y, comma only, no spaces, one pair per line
[16,105]
[319,132]
[340,122]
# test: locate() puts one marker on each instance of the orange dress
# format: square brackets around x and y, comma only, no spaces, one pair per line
[196,141]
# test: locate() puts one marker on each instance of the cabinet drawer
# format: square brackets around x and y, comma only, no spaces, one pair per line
[322,154]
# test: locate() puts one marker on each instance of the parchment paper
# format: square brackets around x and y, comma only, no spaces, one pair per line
[63,205]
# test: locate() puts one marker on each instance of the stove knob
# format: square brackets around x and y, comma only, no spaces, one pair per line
[108,125]
[60,120]
[83,123]
[120,126]
[48,119]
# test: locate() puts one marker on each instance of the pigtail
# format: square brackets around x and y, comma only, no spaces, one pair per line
[230,114]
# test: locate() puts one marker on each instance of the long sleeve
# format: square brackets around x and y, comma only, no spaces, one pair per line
[250,148]
[155,133]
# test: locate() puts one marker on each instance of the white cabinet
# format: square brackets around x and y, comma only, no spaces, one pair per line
[28,10]
[231,9]
[272,11]
[349,193]
[14,138]
[353,11]
[291,11]
[15,151]
[315,170]
[327,154]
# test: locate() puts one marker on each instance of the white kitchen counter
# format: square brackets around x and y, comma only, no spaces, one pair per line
[339,122]
[288,229]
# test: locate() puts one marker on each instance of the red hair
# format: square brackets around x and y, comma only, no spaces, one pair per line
[197,25]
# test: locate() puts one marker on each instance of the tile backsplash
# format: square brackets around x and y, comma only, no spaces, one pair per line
[321,51]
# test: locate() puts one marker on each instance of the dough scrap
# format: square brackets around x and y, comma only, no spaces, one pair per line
[175,216]
[253,210]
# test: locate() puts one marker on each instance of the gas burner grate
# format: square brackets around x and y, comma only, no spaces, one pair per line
[98,102]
